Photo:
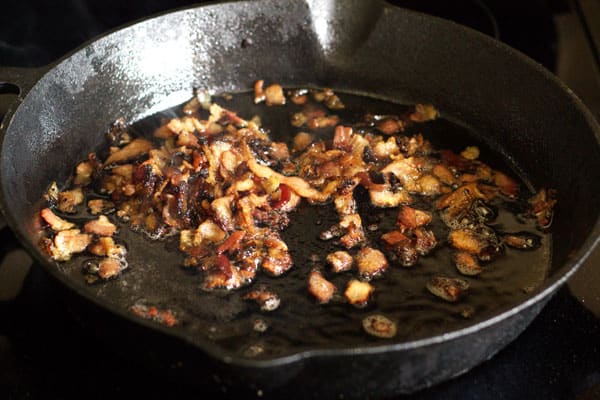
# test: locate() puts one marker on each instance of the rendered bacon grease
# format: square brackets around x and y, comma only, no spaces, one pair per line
[218,182]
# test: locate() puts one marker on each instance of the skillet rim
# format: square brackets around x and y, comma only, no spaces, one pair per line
[543,292]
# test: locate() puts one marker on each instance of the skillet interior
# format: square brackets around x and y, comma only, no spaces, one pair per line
[524,112]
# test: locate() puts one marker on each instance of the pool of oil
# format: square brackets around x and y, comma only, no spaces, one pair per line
[155,275]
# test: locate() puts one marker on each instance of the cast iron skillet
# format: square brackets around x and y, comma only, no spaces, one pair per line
[523,111]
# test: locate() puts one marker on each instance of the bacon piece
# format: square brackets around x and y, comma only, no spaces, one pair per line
[467,240]
[232,243]
[406,171]
[135,149]
[542,207]
[389,126]
[106,246]
[68,242]
[109,268]
[298,185]
[164,317]
[100,206]
[101,227]
[302,140]
[223,215]
[340,261]
[423,113]
[388,198]
[267,300]
[444,174]
[56,223]
[370,263]
[412,218]
[259,93]
[83,173]
[467,263]
[278,259]
[507,185]
[449,289]
[379,326]
[358,293]
[274,95]
[395,237]
[319,287]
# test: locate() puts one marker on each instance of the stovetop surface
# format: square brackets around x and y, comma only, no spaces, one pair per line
[46,354]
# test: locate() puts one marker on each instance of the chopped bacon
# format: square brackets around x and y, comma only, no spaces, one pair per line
[395,237]
[135,149]
[109,268]
[319,287]
[232,243]
[370,262]
[412,218]
[68,242]
[466,263]
[162,316]
[340,261]
[83,173]
[100,206]
[259,93]
[56,223]
[267,300]
[101,227]
[274,95]
[358,293]
[507,185]
[467,240]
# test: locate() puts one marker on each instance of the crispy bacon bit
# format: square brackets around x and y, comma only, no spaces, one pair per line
[83,173]
[232,243]
[379,326]
[227,189]
[444,174]
[428,185]
[523,240]
[56,223]
[136,148]
[109,268]
[278,259]
[162,316]
[449,289]
[299,96]
[424,113]
[68,242]
[395,237]
[274,95]
[467,264]
[411,218]
[101,206]
[267,300]
[320,287]
[101,227]
[507,185]
[370,263]
[542,207]
[259,93]
[470,153]
[340,261]
[106,247]
[467,240]
[302,140]
[358,293]
[387,198]
[389,126]
[425,241]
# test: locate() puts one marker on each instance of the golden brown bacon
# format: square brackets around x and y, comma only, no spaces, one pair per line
[227,190]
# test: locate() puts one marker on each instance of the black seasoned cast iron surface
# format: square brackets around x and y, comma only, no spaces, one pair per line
[155,275]
[353,46]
